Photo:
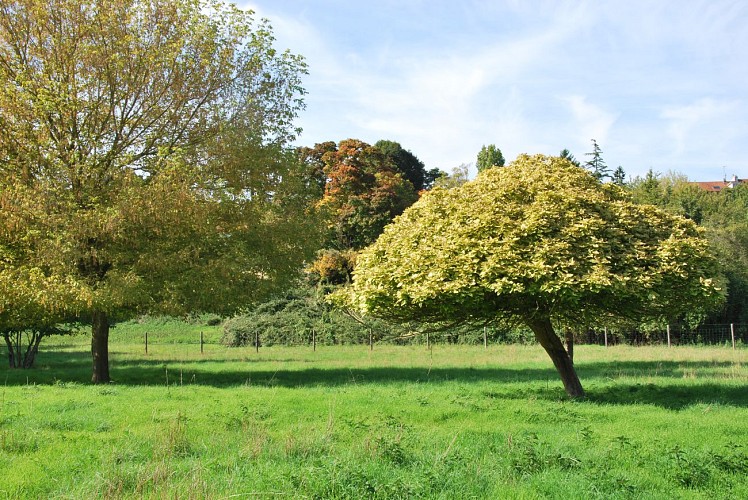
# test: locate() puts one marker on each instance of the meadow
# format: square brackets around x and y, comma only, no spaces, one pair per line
[392,422]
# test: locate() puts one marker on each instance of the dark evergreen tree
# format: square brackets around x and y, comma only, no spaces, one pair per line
[596,164]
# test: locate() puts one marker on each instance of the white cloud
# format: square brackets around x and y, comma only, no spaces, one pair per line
[590,121]
[530,76]
[695,124]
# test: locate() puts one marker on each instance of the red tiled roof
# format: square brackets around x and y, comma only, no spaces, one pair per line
[717,186]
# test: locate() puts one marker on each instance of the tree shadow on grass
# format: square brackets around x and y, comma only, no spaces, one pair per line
[605,382]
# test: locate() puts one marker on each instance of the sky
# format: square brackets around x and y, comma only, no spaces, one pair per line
[660,85]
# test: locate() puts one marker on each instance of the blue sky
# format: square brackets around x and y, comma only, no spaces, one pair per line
[658,84]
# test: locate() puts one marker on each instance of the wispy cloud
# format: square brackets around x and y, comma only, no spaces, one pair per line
[590,120]
[659,85]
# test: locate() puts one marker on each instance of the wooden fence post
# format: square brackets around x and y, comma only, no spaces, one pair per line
[668,335]
[606,336]
[201,342]
[371,341]
[146,342]
[732,334]
[314,340]
[257,342]
[485,339]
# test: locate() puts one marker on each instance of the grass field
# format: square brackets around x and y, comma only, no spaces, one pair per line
[395,422]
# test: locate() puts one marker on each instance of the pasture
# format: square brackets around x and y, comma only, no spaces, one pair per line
[393,422]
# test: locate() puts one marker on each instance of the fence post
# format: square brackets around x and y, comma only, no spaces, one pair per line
[732,335]
[314,340]
[371,341]
[485,339]
[201,342]
[668,335]
[606,336]
[146,342]
[257,342]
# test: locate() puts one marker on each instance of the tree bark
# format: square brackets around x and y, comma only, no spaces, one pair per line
[570,344]
[11,351]
[543,330]
[33,349]
[100,347]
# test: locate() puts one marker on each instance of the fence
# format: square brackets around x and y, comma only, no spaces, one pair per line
[729,335]
[732,334]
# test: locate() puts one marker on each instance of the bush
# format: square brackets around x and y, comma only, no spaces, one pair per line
[290,320]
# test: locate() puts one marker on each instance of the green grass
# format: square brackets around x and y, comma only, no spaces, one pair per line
[395,422]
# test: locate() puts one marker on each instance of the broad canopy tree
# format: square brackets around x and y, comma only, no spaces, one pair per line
[363,191]
[143,159]
[540,242]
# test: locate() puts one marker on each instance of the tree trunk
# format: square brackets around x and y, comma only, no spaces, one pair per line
[11,351]
[570,344]
[33,349]
[100,347]
[543,330]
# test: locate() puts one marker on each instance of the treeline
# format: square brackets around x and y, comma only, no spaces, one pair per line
[724,217]
[363,187]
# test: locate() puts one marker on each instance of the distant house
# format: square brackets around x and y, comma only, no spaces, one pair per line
[717,186]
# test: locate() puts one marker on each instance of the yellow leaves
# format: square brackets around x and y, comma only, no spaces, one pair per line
[537,231]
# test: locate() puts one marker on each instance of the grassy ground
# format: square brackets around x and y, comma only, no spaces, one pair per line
[346,422]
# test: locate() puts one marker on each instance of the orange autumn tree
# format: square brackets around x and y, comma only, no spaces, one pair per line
[363,192]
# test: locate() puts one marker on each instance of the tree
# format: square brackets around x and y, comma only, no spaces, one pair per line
[432,176]
[32,306]
[458,177]
[143,156]
[565,154]
[488,157]
[364,191]
[647,189]
[619,176]
[539,242]
[405,162]
[596,164]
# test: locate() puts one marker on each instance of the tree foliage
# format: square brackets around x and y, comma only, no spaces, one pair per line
[364,191]
[405,162]
[722,215]
[596,163]
[459,176]
[540,242]
[565,154]
[488,157]
[142,157]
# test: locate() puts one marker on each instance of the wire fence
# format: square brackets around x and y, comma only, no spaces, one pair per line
[732,335]
[728,335]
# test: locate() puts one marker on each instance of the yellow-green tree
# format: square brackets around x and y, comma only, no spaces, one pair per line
[143,156]
[540,242]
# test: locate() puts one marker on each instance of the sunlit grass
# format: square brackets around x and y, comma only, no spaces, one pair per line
[392,422]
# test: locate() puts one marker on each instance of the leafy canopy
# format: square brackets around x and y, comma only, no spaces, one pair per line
[488,157]
[143,159]
[538,240]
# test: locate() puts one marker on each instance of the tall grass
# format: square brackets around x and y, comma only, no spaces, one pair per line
[394,422]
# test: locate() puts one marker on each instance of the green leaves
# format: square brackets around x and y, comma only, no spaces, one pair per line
[538,237]
[144,158]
